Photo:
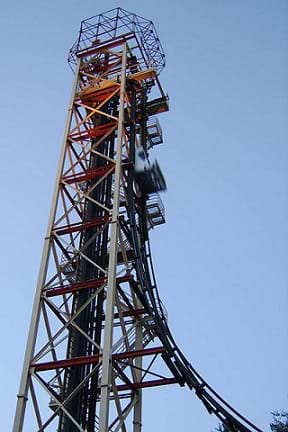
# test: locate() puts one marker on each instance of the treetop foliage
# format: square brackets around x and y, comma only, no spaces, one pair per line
[279,423]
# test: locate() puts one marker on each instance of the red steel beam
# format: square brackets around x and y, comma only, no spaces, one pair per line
[145,384]
[112,43]
[93,132]
[138,353]
[99,95]
[81,226]
[79,361]
[89,174]
[128,313]
[90,284]
[93,173]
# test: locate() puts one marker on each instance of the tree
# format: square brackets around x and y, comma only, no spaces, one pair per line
[279,424]
[280,421]
[222,427]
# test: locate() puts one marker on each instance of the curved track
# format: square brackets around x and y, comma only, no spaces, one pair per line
[176,361]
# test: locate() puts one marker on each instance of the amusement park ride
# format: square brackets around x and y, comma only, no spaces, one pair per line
[99,333]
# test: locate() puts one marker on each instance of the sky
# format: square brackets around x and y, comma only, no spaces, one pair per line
[221,257]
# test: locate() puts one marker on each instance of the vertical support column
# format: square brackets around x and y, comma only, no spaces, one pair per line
[111,283]
[25,378]
[137,418]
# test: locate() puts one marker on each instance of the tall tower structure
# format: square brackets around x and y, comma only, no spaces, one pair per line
[91,326]
[99,332]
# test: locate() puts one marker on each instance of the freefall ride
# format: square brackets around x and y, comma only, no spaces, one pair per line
[99,333]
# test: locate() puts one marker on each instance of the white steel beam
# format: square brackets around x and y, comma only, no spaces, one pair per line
[111,285]
[25,377]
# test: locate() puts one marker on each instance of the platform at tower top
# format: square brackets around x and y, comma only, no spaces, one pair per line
[115,25]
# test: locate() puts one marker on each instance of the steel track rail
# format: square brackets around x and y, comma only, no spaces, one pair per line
[186,373]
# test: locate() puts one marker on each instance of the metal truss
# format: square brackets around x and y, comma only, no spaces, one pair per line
[111,25]
[88,343]
[99,332]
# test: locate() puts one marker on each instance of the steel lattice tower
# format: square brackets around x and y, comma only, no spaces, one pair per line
[89,300]
[99,332]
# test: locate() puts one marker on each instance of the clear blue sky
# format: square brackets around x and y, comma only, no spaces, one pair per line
[221,259]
